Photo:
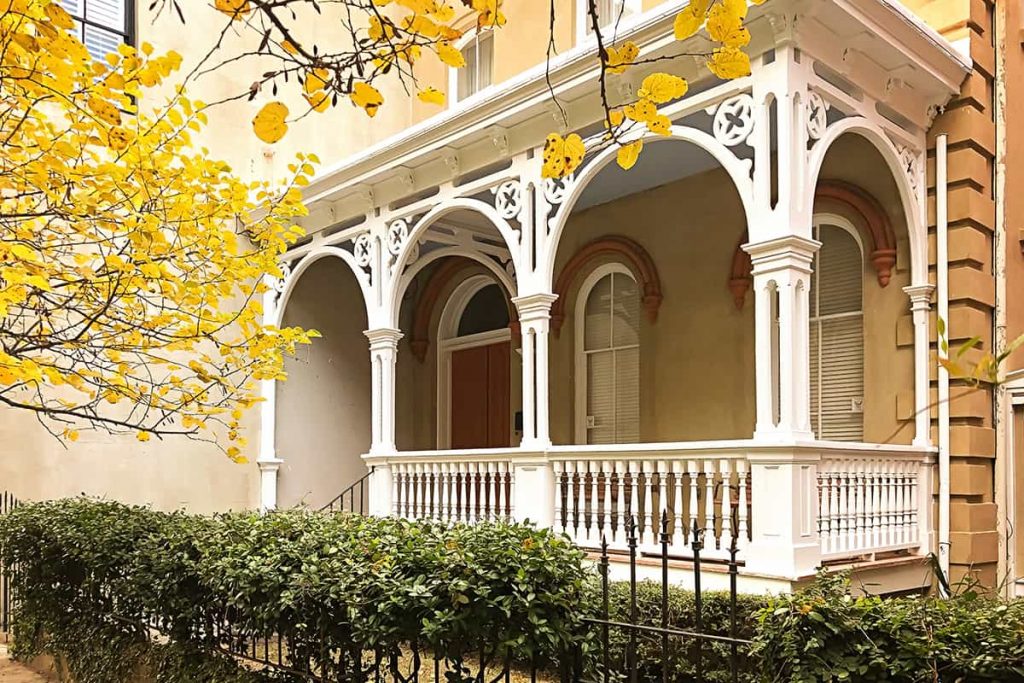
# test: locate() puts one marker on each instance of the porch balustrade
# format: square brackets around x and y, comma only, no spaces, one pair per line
[786,508]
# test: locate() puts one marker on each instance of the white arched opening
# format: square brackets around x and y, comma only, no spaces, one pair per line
[911,199]
[393,296]
[737,169]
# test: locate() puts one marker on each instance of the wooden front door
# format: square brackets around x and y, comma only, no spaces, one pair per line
[480,397]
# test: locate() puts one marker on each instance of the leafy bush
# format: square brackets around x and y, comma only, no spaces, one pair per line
[90,572]
[825,634]
[682,651]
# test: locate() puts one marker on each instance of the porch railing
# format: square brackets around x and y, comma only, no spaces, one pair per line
[790,507]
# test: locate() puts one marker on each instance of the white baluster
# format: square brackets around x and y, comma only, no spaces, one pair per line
[862,504]
[835,488]
[744,524]
[620,521]
[709,504]
[607,469]
[662,504]
[559,469]
[396,497]
[651,533]
[693,469]
[825,506]
[678,511]
[728,497]
[594,467]
[634,492]
[912,502]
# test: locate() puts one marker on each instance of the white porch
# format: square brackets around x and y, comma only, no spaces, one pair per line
[466,188]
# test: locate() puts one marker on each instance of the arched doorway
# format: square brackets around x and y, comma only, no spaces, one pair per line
[323,408]
[474,367]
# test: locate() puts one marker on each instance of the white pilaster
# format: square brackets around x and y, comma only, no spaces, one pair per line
[782,269]
[920,305]
[784,499]
[535,324]
[267,459]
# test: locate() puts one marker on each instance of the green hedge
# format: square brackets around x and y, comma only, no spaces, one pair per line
[825,634]
[87,569]
[325,582]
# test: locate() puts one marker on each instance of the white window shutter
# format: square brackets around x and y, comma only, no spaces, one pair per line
[837,338]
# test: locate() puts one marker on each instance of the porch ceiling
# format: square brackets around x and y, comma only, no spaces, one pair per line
[877,45]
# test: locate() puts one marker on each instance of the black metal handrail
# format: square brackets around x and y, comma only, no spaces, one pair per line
[354,495]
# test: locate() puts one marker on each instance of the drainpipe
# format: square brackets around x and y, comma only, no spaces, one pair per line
[942,290]
[1000,410]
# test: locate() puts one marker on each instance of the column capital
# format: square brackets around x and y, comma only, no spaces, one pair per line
[534,306]
[269,464]
[920,296]
[782,253]
[382,338]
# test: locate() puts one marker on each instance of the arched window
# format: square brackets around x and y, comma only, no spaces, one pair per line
[478,73]
[837,333]
[608,357]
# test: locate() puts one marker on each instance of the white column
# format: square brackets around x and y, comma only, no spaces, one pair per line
[267,459]
[535,323]
[920,305]
[783,266]
[383,358]
[784,514]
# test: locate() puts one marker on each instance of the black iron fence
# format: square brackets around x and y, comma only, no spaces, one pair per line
[8,600]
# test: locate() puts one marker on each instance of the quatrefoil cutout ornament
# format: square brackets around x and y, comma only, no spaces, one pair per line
[734,120]
[398,233]
[363,249]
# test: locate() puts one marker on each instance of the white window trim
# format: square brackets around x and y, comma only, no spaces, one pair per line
[449,341]
[836,221]
[453,73]
[582,297]
[631,8]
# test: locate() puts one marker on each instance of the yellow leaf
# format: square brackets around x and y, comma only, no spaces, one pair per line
[289,47]
[366,96]
[661,88]
[104,110]
[318,101]
[269,124]
[235,9]
[449,55]
[316,80]
[628,154]
[72,435]
[641,111]
[619,59]
[60,18]
[431,95]
[659,125]
[687,23]
[142,436]
[562,156]
[729,62]
[726,27]
[443,12]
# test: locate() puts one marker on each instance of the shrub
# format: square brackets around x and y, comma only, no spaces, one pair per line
[825,634]
[92,571]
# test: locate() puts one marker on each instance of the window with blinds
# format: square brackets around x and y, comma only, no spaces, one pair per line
[478,71]
[606,11]
[837,337]
[611,359]
[102,24]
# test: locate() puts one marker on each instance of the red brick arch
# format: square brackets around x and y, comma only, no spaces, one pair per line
[865,213]
[630,253]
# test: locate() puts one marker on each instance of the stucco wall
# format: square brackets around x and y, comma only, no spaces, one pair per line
[323,409]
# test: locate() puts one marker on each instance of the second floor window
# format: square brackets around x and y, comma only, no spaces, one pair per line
[608,13]
[478,72]
[102,25]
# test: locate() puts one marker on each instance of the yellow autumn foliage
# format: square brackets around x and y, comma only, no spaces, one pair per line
[133,264]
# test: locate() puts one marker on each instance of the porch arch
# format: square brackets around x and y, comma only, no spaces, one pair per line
[393,298]
[305,262]
[737,169]
[912,206]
